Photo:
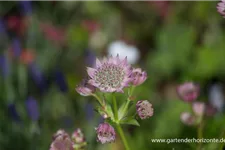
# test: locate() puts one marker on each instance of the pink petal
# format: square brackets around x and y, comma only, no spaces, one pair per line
[98,63]
[124,62]
[91,72]
[92,82]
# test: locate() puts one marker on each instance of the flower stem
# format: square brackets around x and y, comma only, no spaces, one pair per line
[99,99]
[115,107]
[222,144]
[124,109]
[120,130]
[200,136]
[130,92]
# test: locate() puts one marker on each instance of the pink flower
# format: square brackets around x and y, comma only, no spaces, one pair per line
[188,91]
[221,8]
[187,118]
[198,108]
[105,133]
[85,89]
[144,109]
[53,33]
[110,75]
[61,141]
[138,76]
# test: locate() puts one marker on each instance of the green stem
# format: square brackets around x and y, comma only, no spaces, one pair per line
[124,109]
[130,92]
[200,135]
[222,144]
[99,99]
[115,107]
[120,130]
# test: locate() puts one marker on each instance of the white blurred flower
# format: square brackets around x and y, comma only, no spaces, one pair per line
[216,96]
[121,48]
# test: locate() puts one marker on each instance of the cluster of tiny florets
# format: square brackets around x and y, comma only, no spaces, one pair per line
[144,109]
[112,75]
[105,133]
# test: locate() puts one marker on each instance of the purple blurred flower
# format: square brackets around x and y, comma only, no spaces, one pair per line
[37,76]
[110,75]
[138,76]
[89,111]
[144,109]
[2,27]
[188,91]
[90,57]
[61,81]
[13,112]
[4,66]
[67,121]
[105,133]
[85,89]
[16,47]
[26,7]
[61,141]
[32,108]
[221,8]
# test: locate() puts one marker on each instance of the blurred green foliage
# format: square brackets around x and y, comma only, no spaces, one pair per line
[186,43]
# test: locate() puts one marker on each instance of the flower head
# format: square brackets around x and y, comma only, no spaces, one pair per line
[198,108]
[105,133]
[61,141]
[138,76]
[144,109]
[85,88]
[221,8]
[187,118]
[110,75]
[78,139]
[78,136]
[188,91]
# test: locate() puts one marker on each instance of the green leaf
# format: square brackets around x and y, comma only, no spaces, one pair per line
[120,111]
[109,111]
[130,120]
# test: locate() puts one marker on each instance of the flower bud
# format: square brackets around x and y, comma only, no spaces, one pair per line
[188,91]
[105,133]
[187,118]
[61,141]
[138,76]
[144,109]
[78,139]
[85,89]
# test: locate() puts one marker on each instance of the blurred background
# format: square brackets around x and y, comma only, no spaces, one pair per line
[46,46]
